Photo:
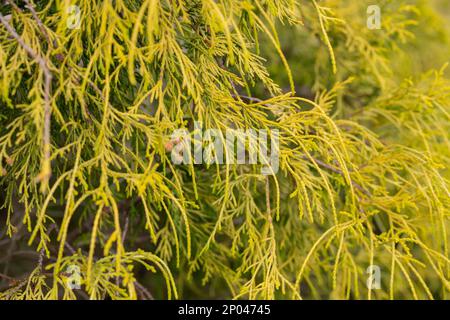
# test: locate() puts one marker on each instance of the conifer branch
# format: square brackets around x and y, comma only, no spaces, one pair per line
[39,22]
[115,90]
[45,174]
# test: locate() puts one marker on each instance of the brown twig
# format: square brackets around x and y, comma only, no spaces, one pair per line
[338,171]
[26,253]
[67,245]
[125,229]
[14,5]
[5,277]
[41,260]
[145,294]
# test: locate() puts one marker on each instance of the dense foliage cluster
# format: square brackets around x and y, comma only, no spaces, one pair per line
[86,175]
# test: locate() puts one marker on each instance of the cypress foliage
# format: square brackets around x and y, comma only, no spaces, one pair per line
[87,112]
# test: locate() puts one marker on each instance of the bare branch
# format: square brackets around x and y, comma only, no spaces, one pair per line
[145,294]
[338,171]
[14,5]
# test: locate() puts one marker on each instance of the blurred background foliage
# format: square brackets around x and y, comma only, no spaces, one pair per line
[365,150]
